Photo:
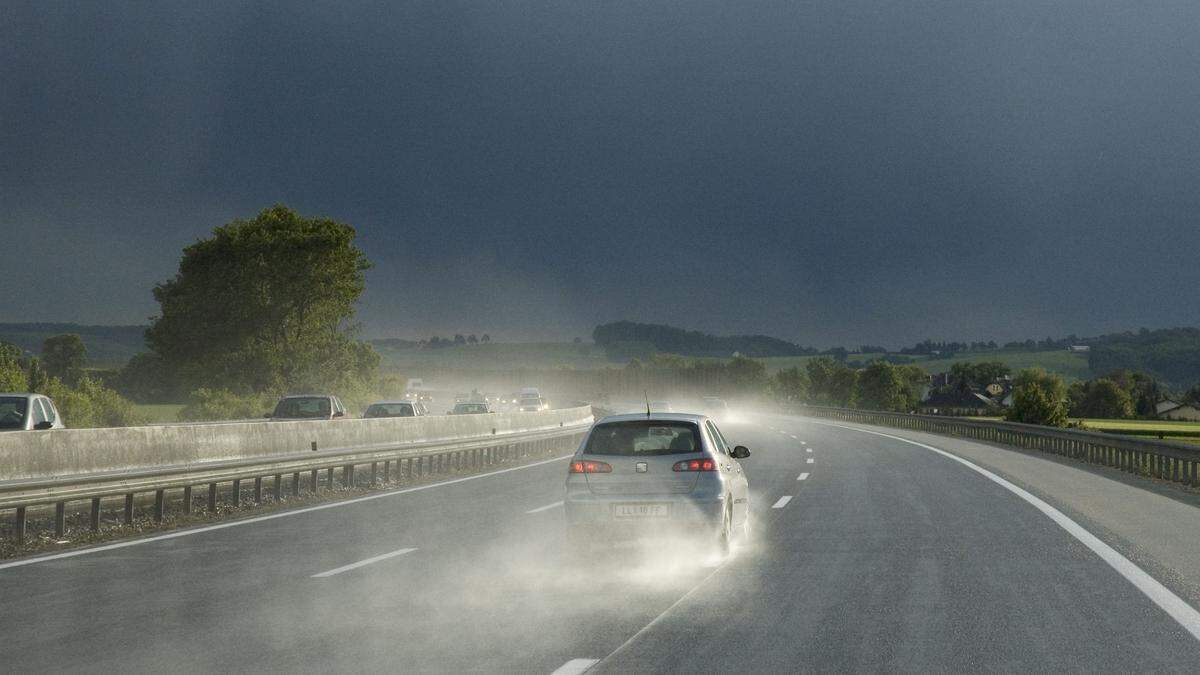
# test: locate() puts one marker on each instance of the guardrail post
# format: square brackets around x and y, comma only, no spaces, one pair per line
[329,478]
[212,497]
[129,508]
[316,479]
[237,491]
[278,487]
[258,489]
[387,470]
[348,475]
[19,525]
[60,519]
[296,484]
[160,505]
[187,500]
[95,519]
[374,472]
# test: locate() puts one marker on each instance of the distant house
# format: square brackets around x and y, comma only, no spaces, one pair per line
[1079,349]
[1174,410]
[958,403]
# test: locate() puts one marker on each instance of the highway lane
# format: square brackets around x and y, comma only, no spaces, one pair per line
[886,557]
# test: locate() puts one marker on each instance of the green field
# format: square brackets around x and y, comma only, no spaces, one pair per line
[1141,425]
[1187,432]
[1071,366]
[159,412]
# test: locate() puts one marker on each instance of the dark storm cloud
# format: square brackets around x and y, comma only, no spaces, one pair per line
[827,172]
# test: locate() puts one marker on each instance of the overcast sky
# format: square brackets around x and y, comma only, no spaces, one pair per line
[831,172]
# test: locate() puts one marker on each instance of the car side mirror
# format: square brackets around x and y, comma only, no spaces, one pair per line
[267,416]
[339,414]
[740,452]
[43,425]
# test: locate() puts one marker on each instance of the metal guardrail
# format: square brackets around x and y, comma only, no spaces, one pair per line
[1164,460]
[288,474]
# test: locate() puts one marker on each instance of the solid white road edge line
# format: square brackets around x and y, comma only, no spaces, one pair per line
[782,502]
[575,666]
[273,516]
[1172,604]
[803,476]
[545,508]
[362,563]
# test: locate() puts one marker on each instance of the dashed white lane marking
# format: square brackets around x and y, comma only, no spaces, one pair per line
[362,563]
[803,476]
[545,508]
[575,666]
[1172,604]
[809,461]
[273,516]
[793,437]
[808,449]
[782,502]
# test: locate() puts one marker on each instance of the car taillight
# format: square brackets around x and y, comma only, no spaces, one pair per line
[695,465]
[589,467]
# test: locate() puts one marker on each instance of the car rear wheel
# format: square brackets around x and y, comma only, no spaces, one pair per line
[726,533]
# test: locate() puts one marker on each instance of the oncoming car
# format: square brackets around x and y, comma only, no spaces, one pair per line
[394,409]
[659,473]
[470,409]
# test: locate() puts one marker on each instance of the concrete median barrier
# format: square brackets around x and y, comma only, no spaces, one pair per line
[67,452]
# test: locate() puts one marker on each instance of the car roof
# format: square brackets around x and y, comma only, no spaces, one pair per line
[19,394]
[310,396]
[656,417]
[393,403]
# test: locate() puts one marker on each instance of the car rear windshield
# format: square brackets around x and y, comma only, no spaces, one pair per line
[644,437]
[12,412]
[471,408]
[309,406]
[390,410]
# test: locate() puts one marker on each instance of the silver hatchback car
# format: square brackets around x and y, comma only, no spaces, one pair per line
[659,473]
[28,412]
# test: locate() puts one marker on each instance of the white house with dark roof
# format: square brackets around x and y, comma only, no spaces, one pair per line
[1174,410]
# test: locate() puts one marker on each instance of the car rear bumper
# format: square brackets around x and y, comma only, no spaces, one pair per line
[609,515]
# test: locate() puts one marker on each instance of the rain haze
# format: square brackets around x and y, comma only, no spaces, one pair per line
[825,172]
[600,336]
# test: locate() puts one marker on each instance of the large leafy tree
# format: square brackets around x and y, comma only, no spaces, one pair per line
[1039,397]
[12,370]
[878,387]
[1101,398]
[967,376]
[883,386]
[64,356]
[830,382]
[790,385]
[264,305]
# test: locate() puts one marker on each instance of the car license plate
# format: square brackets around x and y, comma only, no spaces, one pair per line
[641,510]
